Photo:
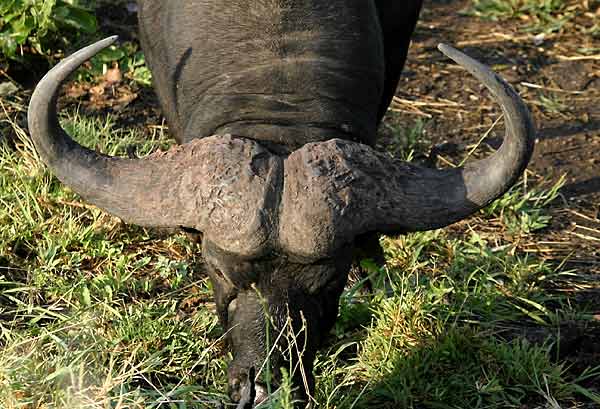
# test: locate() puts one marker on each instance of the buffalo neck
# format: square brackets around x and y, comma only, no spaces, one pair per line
[283,72]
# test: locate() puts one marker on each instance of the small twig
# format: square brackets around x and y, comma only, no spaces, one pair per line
[448,103]
[485,135]
[585,237]
[446,161]
[583,216]
[415,112]
[6,75]
[595,57]
[551,89]
[500,37]
[578,226]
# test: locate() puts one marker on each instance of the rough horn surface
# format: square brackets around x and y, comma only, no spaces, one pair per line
[221,185]
[338,189]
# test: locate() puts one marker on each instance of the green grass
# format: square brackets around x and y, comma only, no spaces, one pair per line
[95,313]
[405,142]
[539,16]
[440,339]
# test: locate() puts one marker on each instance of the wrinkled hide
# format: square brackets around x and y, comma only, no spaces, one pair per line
[276,105]
[282,72]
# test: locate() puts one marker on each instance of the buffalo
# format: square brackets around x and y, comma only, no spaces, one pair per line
[275,105]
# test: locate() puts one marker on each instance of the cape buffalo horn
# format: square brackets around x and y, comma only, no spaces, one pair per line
[349,189]
[198,185]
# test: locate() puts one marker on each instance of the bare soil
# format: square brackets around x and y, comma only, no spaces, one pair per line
[457,113]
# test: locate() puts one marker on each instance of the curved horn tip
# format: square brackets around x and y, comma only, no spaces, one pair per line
[63,69]
[99,45]
[88,52]
[102,44]
[445,48]
[452,52]
[109,40]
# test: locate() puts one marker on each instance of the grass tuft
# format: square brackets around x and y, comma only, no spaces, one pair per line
[538,16]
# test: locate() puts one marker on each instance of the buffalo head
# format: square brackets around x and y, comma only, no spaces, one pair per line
[277,172]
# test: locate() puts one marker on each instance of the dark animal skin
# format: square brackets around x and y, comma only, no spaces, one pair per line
[276,105]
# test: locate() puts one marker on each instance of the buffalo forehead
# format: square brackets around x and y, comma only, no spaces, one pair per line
[316,201]
[231,193]
[250,202]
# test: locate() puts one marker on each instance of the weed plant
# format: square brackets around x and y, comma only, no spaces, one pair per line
[41,26]
[539,16]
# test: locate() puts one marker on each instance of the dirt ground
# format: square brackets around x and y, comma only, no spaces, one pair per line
[458,113]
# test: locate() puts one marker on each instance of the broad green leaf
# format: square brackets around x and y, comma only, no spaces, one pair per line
[76,18]
[8,45]
[22,27]
[11,7]
[110,54]
[44,17]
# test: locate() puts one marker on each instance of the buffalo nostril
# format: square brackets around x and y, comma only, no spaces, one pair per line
[235,390]
[243,391]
